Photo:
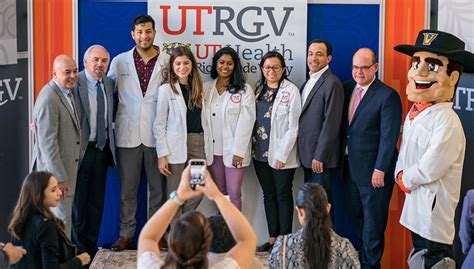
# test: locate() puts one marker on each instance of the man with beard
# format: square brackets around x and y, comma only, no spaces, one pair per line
[58,134]
[94,99]
[138,73]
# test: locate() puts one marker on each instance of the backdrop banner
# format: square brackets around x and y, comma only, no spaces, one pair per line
[8,32]
[251,27]
[14,102]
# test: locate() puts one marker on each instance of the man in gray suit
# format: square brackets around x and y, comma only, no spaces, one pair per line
[322,98]
[58,133]
[95,103]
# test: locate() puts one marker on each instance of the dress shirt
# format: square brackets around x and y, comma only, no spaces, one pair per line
[364,91]
[92,93]
[65,92]
[313,78]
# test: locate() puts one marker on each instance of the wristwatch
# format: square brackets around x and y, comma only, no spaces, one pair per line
[174,198]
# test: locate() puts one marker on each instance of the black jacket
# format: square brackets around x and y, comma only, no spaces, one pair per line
[46,246]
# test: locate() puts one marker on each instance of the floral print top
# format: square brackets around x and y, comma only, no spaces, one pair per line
[261,130]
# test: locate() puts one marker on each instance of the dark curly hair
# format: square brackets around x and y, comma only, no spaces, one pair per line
[237,80]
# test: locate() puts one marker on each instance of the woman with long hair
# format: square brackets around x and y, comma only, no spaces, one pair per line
[229,118]
[278,105]
[35,227]
[315,245]
[178,124]
[190,237]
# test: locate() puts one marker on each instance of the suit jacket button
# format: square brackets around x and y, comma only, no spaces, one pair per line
[77,142]
[77,160]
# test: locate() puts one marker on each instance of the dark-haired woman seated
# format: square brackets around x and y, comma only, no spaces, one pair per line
[315,245]
[34,226]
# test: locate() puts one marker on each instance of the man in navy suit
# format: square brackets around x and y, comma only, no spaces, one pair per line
[371,120]
[322,98]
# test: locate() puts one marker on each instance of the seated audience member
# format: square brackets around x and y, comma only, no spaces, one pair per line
[466,230]
[315,245]
[190,238]
[35,227]
[10,254]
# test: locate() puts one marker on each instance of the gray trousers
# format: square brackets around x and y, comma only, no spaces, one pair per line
[195,145]
[130,163]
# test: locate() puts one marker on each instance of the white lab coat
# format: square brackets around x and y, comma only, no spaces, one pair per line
[284,126]
[431,157]
[170,127]
[238,118]
[135,112]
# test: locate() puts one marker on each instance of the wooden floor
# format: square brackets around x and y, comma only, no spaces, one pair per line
[127,259]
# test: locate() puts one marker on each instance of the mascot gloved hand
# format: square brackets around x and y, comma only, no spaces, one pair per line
[429,166]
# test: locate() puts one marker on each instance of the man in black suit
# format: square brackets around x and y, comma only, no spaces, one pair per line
[372,117]
[320,120]
[94,99]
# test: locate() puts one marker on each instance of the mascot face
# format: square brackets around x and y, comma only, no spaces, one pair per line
[428,80]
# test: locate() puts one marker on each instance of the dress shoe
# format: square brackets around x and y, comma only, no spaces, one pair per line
[122,243]
[267,247]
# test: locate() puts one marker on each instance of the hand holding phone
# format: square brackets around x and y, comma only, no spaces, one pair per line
[196,173]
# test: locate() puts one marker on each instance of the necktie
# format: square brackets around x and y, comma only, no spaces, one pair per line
[100,118]
[356,103]
[71,97]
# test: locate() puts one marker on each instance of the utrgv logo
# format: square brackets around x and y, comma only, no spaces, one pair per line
[226,17]
[12,94]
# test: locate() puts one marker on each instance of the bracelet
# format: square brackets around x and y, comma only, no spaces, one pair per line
[174,198]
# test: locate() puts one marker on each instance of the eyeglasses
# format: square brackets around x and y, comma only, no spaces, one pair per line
[361,68]
[275,68]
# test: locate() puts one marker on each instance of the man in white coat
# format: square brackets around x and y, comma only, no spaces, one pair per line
[429,166]
[138,73]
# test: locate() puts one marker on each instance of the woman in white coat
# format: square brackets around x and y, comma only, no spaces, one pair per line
[178,124]
[278,107]
[229,117]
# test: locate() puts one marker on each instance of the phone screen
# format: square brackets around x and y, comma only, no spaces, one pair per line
[198,166]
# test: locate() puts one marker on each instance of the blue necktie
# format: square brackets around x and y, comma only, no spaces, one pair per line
[100,117]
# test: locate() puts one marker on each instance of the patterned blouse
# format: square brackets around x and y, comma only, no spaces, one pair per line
[343,254]
[261,130]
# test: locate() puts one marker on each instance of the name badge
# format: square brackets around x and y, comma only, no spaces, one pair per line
[285,97]
[236,98]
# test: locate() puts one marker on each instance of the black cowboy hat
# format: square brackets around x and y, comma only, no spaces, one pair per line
[441,43]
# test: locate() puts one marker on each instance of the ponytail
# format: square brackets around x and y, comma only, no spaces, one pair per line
[317,225]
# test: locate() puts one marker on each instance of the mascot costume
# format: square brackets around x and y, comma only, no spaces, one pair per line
[429,166]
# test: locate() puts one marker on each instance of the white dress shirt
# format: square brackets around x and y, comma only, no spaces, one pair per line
[313,78]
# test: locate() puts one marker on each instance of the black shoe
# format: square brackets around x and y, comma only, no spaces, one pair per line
[267,247]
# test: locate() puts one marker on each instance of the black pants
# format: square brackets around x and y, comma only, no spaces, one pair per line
[89,199]
[436,251]
[277,186]
[370,214]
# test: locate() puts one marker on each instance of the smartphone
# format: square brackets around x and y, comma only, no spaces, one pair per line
[196,177]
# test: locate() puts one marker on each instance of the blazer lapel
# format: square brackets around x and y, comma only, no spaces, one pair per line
[133,72]
[66,104]
[84,95]
[366,99]
[182,104]
[314,89]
